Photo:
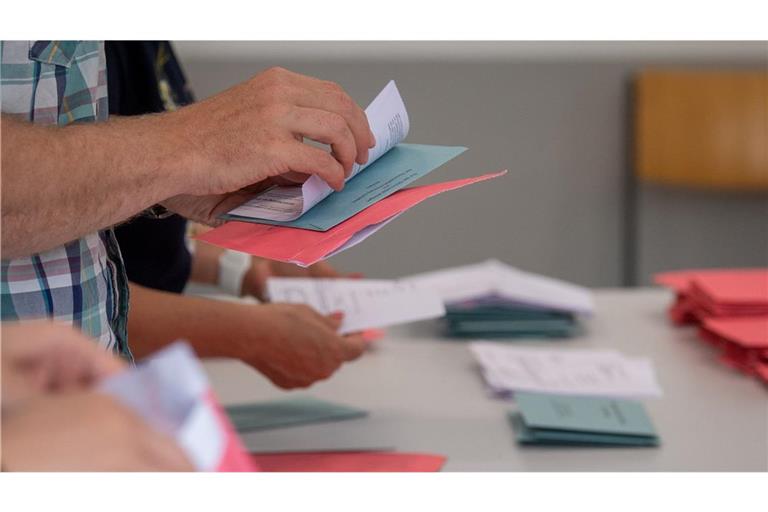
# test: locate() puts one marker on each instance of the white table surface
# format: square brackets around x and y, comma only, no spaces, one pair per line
[425,394]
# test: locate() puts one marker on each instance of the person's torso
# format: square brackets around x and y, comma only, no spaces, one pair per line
[82,282]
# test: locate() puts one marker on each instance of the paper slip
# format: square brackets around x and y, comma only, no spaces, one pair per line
[366,303]
[303,247]
[495,282]
[170,391]
[604,373]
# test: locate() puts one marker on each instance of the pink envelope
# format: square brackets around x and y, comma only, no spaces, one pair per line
[305,247]
[348,462]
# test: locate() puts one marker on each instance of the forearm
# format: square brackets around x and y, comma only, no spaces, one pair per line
[158,318]
[60,183]
[205,263]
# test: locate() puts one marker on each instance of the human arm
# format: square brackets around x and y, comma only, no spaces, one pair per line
[60,183]
[84,431]
[52,420]
[291,344]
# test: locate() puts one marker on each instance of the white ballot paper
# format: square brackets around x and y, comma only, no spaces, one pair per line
[366,303]
[389,123]
[565,371]
[494,282]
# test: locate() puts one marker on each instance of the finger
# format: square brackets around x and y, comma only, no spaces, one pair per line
[372,335]
[328,128]
[78,360]
[354,346]
[334,320]
[323,269]
[289,179]
[314,93]
[305,159]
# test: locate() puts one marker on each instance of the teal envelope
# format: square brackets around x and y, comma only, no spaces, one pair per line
[580,420]
[288,412]
[399,167]
[562,437]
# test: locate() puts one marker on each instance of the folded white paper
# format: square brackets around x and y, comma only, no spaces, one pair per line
[366,303]
[493,281]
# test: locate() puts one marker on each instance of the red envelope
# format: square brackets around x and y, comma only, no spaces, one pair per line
[761,370]
[746,288]
[305,247]
[348,462]
[716,293]
[747,332]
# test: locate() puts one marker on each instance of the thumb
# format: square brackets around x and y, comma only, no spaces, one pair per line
[354,346]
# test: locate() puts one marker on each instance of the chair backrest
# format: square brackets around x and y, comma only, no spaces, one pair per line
[702,129]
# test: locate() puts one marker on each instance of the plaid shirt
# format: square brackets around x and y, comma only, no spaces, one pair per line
[82,282]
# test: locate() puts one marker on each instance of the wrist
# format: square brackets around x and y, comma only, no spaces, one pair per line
[247,332]
[184,160]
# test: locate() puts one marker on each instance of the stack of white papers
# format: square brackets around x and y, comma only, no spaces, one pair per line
[605,373]
[366,303]
[495,283]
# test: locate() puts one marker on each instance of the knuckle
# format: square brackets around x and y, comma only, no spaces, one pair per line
[275,110]
[276,73]
[337,124]
[345,102]
[333,86]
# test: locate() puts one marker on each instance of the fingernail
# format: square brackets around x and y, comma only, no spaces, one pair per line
[337,315]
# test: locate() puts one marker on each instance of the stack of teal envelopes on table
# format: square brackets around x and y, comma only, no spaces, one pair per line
[546,419]
[499,320]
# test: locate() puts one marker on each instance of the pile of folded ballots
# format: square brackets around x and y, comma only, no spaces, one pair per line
[494,300]
[730,308]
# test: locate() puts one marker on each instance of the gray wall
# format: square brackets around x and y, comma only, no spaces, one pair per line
[557,116]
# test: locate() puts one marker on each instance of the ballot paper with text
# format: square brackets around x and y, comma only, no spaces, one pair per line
[366,303]
[389,123]
[605,373]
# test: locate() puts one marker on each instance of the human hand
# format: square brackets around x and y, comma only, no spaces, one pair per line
[254,131]
[84,431]
[255,278]
[292,344]
[43,357]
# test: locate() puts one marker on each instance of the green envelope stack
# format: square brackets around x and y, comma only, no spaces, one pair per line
[544,419]
[477,320]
